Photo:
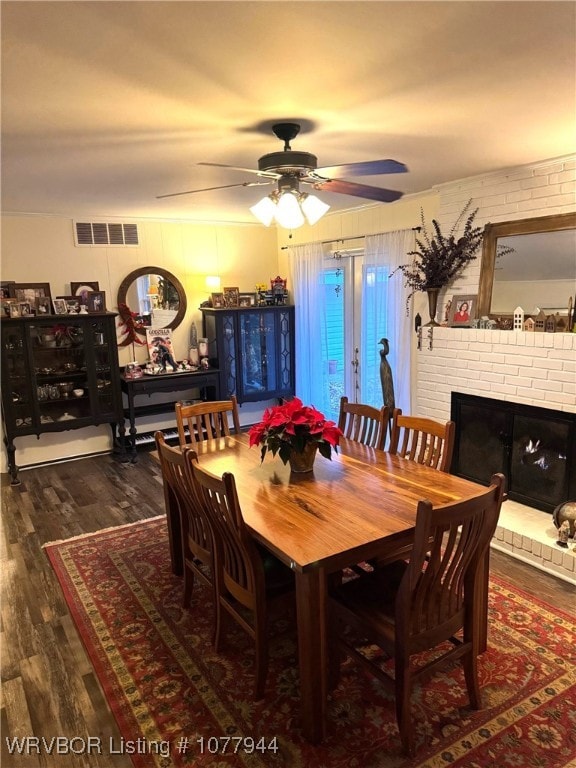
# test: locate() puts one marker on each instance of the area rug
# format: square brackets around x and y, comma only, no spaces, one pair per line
[178,703]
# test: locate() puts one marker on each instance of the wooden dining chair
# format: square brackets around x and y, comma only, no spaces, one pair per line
[423,440]
[250,581]
[206,420]
[411,607]
[194,531]
[363,423]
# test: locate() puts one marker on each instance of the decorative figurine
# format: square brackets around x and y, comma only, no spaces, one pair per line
[529,324]
[563,534]
[278,289]
[386,376]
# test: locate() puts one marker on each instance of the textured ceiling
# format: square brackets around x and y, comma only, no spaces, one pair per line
[106,105]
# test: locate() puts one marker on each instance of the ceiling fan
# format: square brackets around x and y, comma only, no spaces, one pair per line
[291,167]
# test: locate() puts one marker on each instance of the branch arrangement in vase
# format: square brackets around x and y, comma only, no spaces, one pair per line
[438,258]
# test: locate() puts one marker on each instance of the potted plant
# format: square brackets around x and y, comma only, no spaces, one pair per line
[295,432]
[439,259]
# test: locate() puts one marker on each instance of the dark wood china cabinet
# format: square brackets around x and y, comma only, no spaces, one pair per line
[58,373]
[253,347]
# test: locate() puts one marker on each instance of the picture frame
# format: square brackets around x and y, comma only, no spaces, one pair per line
[14,309]
[43,305]
[72,304]
[463,310]
[245,299]
[231,296]
[25,309]
[60,306]
[83,289]
[7,289]
[31,291]
[6,304]
[218,300]
[96,301]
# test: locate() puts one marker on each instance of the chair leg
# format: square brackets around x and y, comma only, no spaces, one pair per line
[188,585]
[470,664]
[215,609]
[261,671]
[403,696]
[335,654]
[217,624]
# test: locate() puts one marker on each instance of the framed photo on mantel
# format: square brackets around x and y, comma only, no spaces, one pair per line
[462,311]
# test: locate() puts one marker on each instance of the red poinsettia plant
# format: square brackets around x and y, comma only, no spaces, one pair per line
[292,426]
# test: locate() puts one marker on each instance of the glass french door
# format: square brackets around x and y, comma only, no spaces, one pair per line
[354,293]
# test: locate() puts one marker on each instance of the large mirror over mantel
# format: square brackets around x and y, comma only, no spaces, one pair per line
[540,271]
[156,295]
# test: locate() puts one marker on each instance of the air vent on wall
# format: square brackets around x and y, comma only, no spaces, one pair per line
[105,233]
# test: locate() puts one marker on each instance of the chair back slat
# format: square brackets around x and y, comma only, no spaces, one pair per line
[450,542]
[422,440]
[240,565]
[206,420]
[197,540]
[363,423]
[435,601]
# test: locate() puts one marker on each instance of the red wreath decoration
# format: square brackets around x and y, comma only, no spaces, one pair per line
[130,326]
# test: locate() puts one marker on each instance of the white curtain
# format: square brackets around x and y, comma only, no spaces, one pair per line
[306,264]
[388,251]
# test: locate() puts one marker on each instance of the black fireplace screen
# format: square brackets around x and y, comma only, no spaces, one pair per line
[533,447]
[538,462]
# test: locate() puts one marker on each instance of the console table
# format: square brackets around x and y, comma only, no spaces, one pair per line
[207,381]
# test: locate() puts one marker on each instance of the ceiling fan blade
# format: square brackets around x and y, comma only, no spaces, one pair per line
[368,168]
[269,174]
[358,190]
[210,189]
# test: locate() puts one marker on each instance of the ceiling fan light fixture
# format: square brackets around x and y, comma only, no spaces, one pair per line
[265,210]
[288,212]
[313,207]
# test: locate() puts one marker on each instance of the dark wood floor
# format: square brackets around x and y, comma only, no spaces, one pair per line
[48,685]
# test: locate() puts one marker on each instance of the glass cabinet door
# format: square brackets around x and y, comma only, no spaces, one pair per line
[254,350]
[103,345]
[15,374]
[58,353]
[258,352]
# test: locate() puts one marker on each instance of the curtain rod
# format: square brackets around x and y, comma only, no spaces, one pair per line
[344,239]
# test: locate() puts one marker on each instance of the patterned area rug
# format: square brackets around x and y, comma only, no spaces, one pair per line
[177,703]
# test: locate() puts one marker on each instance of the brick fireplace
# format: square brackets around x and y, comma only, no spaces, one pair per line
[534,369]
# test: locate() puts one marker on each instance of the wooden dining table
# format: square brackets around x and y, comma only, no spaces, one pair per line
[359,505]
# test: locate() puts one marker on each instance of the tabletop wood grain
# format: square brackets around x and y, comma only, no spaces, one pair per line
[361,496]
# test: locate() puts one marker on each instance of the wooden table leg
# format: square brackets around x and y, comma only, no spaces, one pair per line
[312,650]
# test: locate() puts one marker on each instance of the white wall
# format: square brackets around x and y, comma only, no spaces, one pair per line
[41,249]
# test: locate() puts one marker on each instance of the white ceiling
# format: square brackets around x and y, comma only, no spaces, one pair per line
[107,104]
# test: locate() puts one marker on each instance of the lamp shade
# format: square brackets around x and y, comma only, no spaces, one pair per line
[313,208]
[264,211]
[288,206]
[213,282]
[288,213]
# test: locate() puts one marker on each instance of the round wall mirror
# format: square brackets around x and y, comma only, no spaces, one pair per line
[156,295]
